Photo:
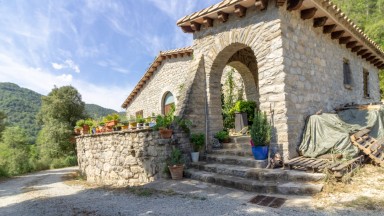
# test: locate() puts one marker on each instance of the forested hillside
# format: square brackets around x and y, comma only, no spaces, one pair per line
[21,105]
[369,16]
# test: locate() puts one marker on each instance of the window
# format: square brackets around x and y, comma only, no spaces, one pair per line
[139,114]
[347,74]
[168,102]
[366,83]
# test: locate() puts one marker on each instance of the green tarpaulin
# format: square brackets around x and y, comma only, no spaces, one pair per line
[329,133]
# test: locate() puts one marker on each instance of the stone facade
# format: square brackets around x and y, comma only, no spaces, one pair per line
[126,158]
[313,64]
[169,77]
[290,68]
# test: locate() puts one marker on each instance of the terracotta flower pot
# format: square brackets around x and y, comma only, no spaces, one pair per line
[165,133]
[176,171]
[111,123]
[85,129]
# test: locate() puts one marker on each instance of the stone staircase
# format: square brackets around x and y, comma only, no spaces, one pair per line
[234,166]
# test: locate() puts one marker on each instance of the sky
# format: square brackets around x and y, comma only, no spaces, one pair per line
[101,47]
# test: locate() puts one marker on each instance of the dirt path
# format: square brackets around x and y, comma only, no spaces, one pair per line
[46,193]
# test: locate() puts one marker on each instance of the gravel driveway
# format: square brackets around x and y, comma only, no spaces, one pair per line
[45,193]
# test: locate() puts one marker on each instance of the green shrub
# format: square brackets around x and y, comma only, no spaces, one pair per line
[176,157]
[198,141]
[222,135]
[261,129]
[245,107]
[70,161]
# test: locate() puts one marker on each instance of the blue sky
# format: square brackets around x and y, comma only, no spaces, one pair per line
[101,47]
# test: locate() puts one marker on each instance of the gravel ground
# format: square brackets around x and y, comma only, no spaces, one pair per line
[46,193]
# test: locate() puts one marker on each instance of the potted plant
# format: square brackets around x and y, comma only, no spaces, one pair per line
[164,123]
[111,120]
[140,122]
[77,130]
[222,136]
[125,125]
[101,127]
[147,122]
[84,125]
[260,135]
[175,164]
[132,122]
[198,141]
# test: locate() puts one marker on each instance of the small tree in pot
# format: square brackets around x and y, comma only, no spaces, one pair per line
[175,164]
[198,141]
[260,135]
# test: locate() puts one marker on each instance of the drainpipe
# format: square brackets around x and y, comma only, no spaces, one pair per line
[206,110]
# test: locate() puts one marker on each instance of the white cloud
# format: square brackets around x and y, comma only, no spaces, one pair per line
[57,66]
[67,64]
[72,65]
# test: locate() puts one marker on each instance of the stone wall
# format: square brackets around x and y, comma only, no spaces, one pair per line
[313,64]
[126,158]
[170,76]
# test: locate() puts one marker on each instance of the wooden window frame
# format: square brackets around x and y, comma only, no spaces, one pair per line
[139,113]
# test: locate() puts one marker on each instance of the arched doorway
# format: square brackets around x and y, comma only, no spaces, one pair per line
[243,60]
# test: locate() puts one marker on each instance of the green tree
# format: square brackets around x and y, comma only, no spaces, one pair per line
[14,152]
[63,104]
[2,122]
[59,112]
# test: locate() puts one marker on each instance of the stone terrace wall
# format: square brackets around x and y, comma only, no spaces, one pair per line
[314,67]
[125,158]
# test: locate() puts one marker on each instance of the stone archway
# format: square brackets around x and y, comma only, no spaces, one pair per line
[242,58]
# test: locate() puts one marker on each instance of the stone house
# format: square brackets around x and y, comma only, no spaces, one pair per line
[295,56]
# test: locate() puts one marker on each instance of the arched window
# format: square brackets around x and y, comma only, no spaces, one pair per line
[168,102]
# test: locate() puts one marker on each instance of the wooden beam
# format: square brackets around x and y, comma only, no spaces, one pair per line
[186,29]
[208,22]
[329,28]
[367,55]
[222,16]
[362,52]
[280,3]
[319,22]
[240,10]
[308,13]
[379,63]
[370,58]
[374,61]
[294,4]
[356,48]
[195,26]
[351,44]
[261,4]
[344,40]
[337,34]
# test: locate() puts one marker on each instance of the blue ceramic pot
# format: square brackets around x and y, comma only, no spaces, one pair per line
[260,152]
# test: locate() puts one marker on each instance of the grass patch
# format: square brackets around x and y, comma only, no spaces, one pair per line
[76,178]
[365,203]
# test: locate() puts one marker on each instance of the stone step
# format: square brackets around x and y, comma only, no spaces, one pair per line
[240,139]
[291,188]
[238,146]
[233,152]
[247,161]
[276,175]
